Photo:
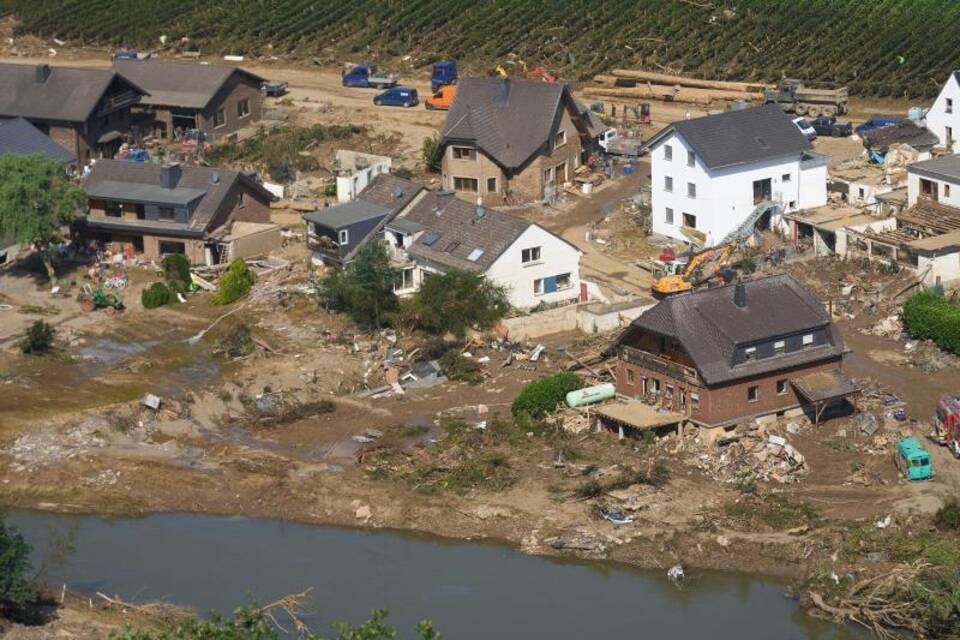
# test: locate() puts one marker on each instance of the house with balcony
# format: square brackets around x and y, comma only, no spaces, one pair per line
[729,355]
[441,232]
[153,210]
[511,140]
[336,233]
[716,176]
[943,116]
[85,111]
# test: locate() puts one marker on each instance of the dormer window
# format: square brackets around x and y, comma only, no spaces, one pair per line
[560,139]
[750,353]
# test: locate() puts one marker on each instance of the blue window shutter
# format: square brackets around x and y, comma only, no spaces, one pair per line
[550,284]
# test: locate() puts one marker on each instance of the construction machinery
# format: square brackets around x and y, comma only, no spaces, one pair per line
[91,299]
[675,275]
[946,424]
[543,73]
[794,97]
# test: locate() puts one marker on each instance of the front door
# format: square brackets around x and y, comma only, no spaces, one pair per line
[561,173]
[762,190]
[928,189]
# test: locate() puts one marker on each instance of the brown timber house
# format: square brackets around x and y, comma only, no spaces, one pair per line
[730,354]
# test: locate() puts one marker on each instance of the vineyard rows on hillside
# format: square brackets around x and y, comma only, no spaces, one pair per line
[876,47]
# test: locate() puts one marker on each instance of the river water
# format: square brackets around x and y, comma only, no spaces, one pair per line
[471,591]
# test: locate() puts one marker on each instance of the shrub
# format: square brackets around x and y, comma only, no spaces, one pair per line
[460,368]
[38,339]
[948,516]
[176,271]
[928,315]
[589,489]
[235,283]
[429,151]
[16,589]
[157,295]
[542,396]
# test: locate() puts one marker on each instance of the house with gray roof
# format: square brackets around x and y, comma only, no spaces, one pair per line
[336,233]
[153,210]
[215,99]
[20,137]
[511,140]
[440,232]
[728,355]
[726,174]
[85,111]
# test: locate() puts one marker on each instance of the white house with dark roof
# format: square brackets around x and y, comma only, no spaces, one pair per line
[943,117]
[937,179]
[440,232]
[715,175]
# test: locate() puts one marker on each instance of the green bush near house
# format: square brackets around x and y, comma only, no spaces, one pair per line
[176,271]
[929,316]
[541,397]
[157,295]
[235,283]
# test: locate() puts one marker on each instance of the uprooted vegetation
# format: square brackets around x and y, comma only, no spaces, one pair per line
[270,409]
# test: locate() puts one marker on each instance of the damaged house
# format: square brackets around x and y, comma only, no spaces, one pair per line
[154,210]
[728,355]
[509,139]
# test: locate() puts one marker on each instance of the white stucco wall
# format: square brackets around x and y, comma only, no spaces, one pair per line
[913,189]
[937,117]
[350,185]
[943,268]
[556,257]
[724,198]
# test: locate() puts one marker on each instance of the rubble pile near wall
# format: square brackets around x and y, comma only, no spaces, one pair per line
[751,458]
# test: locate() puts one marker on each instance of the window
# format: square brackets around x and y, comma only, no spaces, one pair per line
[695,400]
[785,178]
[669,216]
[949,133]
[655,385]
[750,353]
[781,387]
[404,280]
[668,184]
[861,193]
[949,108]
[690,220]
[691,159]
[563,281]
[753,394]
[538,286]
[530,255]
[491,185]
[219,118]
[548,175]
[669,392]
[141,212]
[667,152]
[808,339]
[343,236]
[560,139]
[683,398]
[464,153]
[166,248]
[243,108]
[112,209]
[691,190]
[630,378]
[792,204]
[779,347]
[469,185]
[166,213]
[946,191]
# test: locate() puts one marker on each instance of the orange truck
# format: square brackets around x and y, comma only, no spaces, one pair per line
[442,99]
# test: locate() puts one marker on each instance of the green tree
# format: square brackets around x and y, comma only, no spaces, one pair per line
[458,300]
[235,283]
[38,338]
[364,289]
[429,153]
[16,589]
[37,200]
[542,396]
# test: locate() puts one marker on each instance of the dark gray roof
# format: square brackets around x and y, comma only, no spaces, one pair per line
[68,94]
[738,137]
[946,167]
[177,84]
[710,326]
[346,214]
[509,119]
[147,193]
[405,225]
[453,232]
[19,136]
[905,132]
[390,191]
[137,182]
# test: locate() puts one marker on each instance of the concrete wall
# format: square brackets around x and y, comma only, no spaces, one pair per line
[938,120]
[259,243]
[194,249]
[942,186]
[348,186]
[556,257]
[879,225]
[590,317]
[942,268]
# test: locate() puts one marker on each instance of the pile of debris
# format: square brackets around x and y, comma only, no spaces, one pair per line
[48,446]
[749,458]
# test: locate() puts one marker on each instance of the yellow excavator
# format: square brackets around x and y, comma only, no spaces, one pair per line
[675,276]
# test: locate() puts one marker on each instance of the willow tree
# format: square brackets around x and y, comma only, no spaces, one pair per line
[37,201]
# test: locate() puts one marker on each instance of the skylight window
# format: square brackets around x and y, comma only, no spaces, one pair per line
[452,247]
[475,255]
[431,238]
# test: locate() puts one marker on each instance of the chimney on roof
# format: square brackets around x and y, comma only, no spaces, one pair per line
[502,98]
[42,73]
[740,295]
[170,175]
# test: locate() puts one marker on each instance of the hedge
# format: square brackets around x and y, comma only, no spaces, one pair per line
[542,396]
[235,283]
[929,316]
[157,295]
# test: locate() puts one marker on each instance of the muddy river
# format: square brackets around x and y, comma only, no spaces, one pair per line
[470,590]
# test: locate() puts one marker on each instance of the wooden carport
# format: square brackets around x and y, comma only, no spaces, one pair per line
[823,388]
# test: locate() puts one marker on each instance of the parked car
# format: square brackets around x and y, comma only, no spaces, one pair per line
[368,75]
[877,122]
[805,128]
[397,97]
[441,99]
[830,126]
[273,89]
[444,73]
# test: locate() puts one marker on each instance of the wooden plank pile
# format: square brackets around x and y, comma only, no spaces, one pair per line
[636,84]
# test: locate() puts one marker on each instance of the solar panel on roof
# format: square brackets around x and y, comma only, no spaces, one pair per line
[431,238]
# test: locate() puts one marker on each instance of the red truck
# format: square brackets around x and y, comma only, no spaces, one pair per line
[946,423]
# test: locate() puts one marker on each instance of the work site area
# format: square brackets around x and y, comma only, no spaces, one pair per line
[693,330]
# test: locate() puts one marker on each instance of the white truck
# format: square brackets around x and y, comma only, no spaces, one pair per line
[615,144]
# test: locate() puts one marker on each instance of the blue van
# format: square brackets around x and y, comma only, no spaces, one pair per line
[397,97]
[444,73]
